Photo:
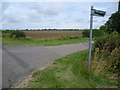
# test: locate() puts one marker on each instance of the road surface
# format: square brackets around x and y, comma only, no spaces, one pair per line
[20,61]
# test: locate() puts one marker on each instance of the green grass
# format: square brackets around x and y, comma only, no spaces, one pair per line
[68,72]
[11,41]
[0,40]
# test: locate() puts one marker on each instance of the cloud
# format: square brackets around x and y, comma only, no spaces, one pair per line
[53,14]
[5,6]
[47,9]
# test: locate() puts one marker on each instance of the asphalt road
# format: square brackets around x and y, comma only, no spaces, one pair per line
[19,61]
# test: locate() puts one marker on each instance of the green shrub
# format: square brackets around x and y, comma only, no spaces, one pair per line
[86,33]
[17,34]
[14,34]
[106,53]
[6,33]
[95,33]
[108,42]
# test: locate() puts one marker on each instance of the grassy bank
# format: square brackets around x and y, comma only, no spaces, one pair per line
[68,72]
[12,41]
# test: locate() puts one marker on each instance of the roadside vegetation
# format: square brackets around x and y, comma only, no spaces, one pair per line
[106,49]
[11,37]
[0,37]
[0,41]
[106,58]
[10,41]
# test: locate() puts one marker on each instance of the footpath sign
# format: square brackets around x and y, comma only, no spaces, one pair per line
[94,12]
[98,13]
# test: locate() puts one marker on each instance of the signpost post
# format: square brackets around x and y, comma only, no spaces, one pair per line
[90,39]
[93,13]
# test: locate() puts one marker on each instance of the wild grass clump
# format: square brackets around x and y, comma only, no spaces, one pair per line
[65,37]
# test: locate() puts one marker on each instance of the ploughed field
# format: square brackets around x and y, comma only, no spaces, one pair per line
[51,34]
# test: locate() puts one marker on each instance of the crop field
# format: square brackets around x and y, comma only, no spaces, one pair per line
[43,38]
[51,34]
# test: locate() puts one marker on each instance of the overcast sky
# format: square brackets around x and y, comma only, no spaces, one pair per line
[38,15]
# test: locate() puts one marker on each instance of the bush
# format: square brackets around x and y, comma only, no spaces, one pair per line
[108,42]
[106,53]
[95,33]
[17,34]
[6,33]
[86,33]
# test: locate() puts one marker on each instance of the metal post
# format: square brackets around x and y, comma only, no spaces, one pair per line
[90,39]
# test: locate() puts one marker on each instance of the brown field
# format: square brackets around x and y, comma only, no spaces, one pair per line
[50,34]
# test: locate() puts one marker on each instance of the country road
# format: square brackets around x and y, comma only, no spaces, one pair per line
[20,61]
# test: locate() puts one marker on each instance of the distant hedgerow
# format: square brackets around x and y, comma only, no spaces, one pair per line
[95,33]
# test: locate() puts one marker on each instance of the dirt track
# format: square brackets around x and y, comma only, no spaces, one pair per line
[19,61]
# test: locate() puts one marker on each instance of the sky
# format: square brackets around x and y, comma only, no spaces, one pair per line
[59,15]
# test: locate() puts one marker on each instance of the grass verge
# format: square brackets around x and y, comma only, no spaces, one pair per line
[0,40]
[11,41]
[68,72]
